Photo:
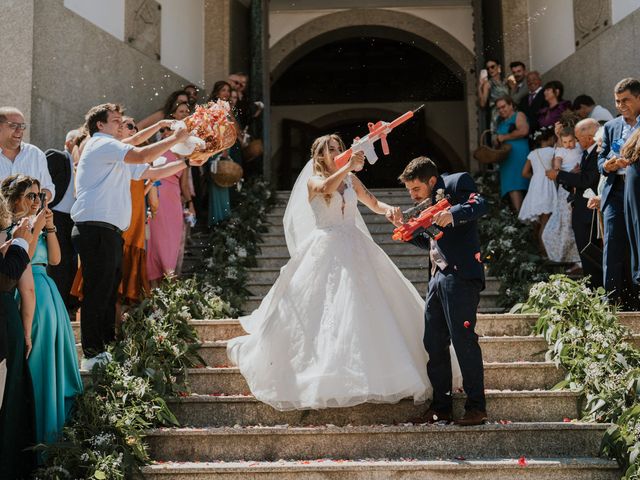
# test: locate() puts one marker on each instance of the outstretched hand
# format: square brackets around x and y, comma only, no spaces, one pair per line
[394,215]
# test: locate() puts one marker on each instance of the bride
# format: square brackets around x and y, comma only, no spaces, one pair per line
[341,325]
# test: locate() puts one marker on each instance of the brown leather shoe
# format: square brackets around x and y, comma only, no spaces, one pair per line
[472,417]
[432,416]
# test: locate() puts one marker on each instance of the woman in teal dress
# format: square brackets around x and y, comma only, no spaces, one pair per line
[53,362]
[17,429]
[513,129]
[219,199]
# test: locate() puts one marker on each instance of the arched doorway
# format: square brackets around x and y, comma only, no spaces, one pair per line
[335,74]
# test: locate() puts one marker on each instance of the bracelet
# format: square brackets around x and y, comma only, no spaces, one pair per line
[51,230]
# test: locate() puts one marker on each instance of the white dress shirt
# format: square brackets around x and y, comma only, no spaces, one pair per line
[103,191]
[600,114]
[30,161]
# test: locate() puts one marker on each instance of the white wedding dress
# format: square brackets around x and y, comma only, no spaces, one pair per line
[341,325]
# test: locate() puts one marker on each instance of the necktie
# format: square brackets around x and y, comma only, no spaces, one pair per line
[531,97]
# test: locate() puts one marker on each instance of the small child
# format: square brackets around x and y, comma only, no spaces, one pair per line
[558,238]
[568,156]
[540,200]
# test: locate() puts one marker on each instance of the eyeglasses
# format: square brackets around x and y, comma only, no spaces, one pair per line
[15,126]
[31,196]
[491,67]
[130,126]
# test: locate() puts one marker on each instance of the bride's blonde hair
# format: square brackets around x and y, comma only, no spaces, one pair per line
[320,152]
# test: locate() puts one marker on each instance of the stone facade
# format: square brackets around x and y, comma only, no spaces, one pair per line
[76,65]
[16,74]
[595,68]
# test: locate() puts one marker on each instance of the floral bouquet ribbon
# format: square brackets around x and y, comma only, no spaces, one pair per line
[212,131]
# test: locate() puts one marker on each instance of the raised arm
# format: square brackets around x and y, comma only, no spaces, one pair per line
[53,246]
[151,119]
[368,199]
[145,134]
[326,186]
[148,154]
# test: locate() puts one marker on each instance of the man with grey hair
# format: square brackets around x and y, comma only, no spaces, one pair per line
[62,170]
[17,156]
[583,220]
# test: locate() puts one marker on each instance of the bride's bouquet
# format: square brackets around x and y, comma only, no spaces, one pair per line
[212,131]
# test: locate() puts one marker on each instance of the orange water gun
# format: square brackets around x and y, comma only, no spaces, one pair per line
[377,131]
[422,223]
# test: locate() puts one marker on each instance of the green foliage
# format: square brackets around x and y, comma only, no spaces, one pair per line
[509,247]
[586,339]
[104,438]
[234,243]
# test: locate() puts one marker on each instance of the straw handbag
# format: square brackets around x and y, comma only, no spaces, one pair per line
[486,154]
[227,173]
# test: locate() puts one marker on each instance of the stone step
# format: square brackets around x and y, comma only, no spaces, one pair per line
[491,324]
[488,299]
[588,468]
[374,227]
[494,349]
[428,442]
[369,218]
[414,274]
[391,248]
[229,410]
[413,259]
[498,376]
[403,202]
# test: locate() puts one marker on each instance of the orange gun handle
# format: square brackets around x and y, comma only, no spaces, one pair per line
[342,159]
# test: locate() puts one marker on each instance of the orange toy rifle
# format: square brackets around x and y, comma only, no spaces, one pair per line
[378,131]
[422,223]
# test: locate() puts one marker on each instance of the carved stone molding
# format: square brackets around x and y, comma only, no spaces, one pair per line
[142,26]
[590,19]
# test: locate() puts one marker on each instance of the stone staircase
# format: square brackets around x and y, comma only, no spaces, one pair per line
[228,434]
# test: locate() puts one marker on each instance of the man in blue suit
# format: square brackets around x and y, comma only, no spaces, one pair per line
[616,261]
[457,278]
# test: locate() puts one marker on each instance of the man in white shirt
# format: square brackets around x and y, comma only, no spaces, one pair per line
[17,156]
[585,107]
[101,212]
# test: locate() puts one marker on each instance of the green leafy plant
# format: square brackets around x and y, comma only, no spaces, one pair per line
[586,338]
[235,242]
[104,438]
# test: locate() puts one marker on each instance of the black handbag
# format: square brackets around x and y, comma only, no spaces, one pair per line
[592,251]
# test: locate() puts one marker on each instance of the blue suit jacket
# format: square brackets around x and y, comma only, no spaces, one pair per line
[612,131]
[460,244]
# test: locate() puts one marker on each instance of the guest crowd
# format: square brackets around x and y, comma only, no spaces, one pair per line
[572,172]
[86,230]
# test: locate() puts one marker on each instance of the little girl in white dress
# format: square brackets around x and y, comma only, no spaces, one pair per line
[558,238]
[540,200]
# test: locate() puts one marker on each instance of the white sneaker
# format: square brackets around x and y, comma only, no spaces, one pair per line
[100,359]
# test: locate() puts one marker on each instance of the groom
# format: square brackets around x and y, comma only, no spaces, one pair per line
[457,277]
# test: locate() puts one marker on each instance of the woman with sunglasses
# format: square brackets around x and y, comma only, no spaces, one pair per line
[491,87]
[53,361]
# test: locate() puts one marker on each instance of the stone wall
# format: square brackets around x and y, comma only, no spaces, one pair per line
[76,65]
[596,67]
[16,33]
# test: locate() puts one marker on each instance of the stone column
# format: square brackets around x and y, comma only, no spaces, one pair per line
[16,72]
[515,24]
[217,41]
[260,82]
